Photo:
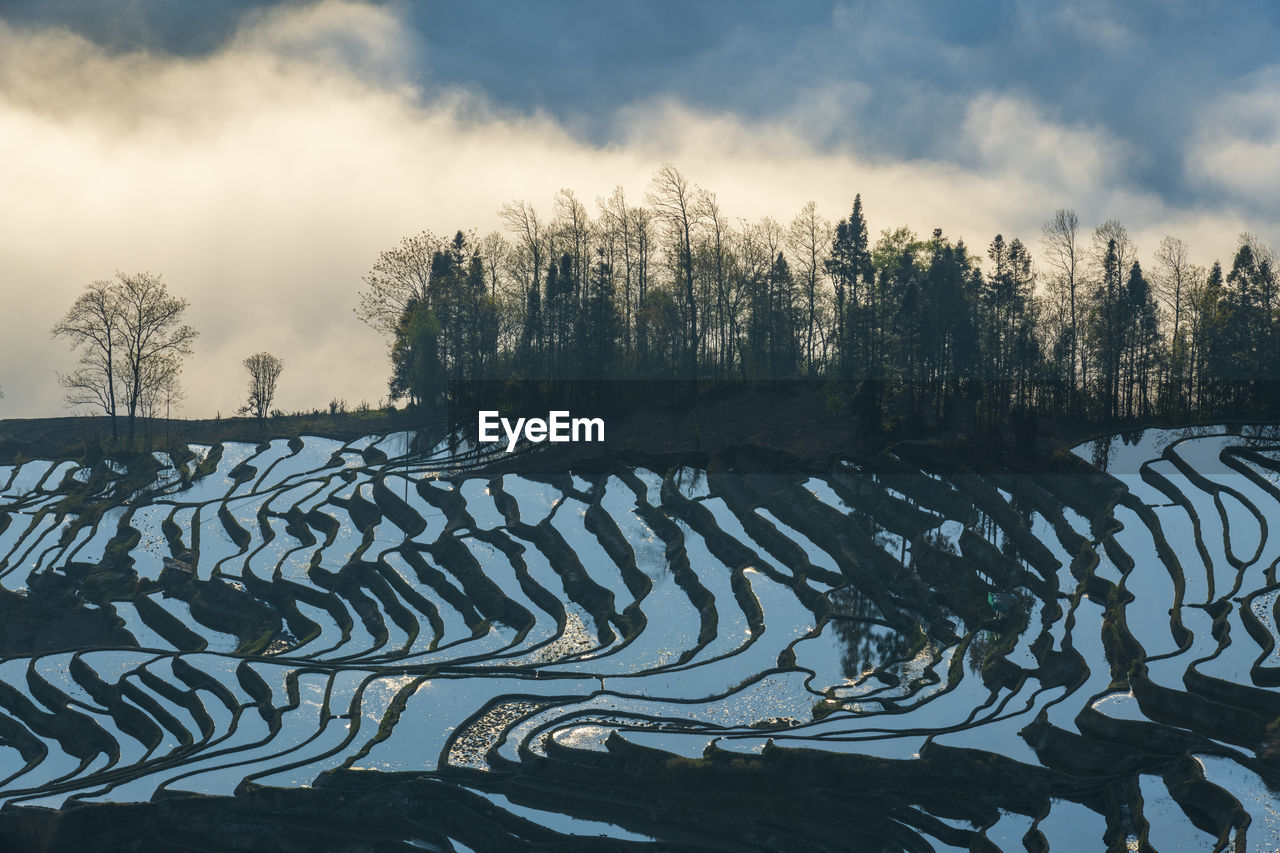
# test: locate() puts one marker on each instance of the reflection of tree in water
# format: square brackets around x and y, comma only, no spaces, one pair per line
[868,640]
[1001,636]
[1026,512]
[892,545]
[689,479]
[1101,455]
[1251,433]
[936,540]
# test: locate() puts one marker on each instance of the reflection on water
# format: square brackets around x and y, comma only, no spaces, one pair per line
[310,606]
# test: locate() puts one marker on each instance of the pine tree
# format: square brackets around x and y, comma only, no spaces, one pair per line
[416,368]
[851,272]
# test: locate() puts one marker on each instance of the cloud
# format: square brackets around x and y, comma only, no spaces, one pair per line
[1094,24]
[366,40]
[262,179]
[1237,151]
[1012,136]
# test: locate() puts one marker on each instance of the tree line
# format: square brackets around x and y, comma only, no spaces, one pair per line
[918,330]
[921,327]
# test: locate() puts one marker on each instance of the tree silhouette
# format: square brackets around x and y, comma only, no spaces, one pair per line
[264,373]
[131,340]
[916,332]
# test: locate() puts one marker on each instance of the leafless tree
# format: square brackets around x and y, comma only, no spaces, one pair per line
[616,218]
[153,339]
[131,340]
[162,392]
[674,200]
[1060,238]
[400,276]
[529,251]
[530,235]
[640,232]
[809,242]
[493,249]
[1178,283]
[1173,267]
[716,252]
[264,372]
[91,324]
[572,225]
[506,291]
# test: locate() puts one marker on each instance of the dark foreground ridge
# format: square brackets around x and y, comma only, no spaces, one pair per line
[317,643]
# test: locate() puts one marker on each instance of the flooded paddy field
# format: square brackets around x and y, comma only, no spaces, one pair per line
[737,656]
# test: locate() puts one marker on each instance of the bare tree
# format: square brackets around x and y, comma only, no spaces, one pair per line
[717,262]
[1174,283]
[1177,284]
[525,260]
[131,340]
[808,240]
[1199,315]
[641,233]
[493,250]
[572,224]
[530,233]
[91,324]
[616,217]
[1060,237]
[400,276]
[162,392]
[264,372]
[674,199]
[506,291]
[1173,266]
[153,339]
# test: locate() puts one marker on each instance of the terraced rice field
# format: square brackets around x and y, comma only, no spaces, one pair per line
[954,660]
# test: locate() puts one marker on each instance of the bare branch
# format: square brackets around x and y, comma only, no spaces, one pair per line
[264,373]
[399,276]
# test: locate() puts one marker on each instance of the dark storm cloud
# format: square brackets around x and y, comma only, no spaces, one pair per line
[893,79]
[188,29]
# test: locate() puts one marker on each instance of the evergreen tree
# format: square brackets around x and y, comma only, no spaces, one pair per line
[1213,350]
[783,352]
[600,324]
[851,272]
[416,368]
[1105,333]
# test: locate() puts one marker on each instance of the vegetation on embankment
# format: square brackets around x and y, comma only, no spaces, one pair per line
[804,420]
[88,438]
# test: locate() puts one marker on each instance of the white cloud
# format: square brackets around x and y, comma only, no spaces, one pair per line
[1238,148]
[262,180]
[1011,136]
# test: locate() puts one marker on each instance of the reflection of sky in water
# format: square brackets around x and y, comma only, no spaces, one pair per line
[839,679]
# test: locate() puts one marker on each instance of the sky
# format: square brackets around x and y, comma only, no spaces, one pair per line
[258,156]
